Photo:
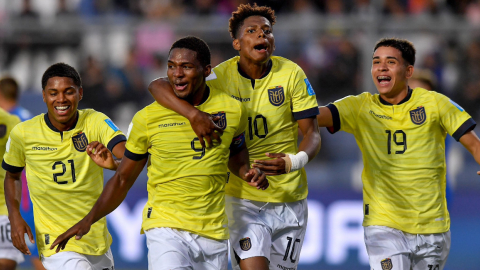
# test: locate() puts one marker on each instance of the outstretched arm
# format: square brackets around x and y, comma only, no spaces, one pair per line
[325,118]
[470,141]
[310,146]
[202,123]
[113,194]
[13,196]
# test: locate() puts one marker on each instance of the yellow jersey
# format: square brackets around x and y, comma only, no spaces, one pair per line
[403,147]
[63,180]
[274,103]
[7,122]
[186,183]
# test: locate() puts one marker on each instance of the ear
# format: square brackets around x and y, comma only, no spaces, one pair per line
[236,44]
[207,70]
[80,93]
[43,95]
[409,72]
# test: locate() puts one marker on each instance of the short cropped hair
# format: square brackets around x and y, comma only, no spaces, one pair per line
[194,44]
[245,11]
[9,88]
[61,70]
[404,46]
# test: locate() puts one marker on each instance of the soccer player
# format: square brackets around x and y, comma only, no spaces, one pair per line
[184,219]
[401,133]
[266,228]
[9,255]
[9,95]
[64,153]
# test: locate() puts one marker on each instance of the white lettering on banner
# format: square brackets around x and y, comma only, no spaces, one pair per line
[345,232]
[312,248]
[340,223]
[127,225]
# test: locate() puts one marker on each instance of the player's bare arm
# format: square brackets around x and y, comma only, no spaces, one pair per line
[470,141]
[325,118]
[202,123]
[310,145]
[13,195]
[112,196]
[239,165]
[100,154]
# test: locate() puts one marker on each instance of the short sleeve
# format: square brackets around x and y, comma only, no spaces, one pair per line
[304,101]
[345,112]
[110,134]
[213,80]
[14,158]
[453,118]
[138,140]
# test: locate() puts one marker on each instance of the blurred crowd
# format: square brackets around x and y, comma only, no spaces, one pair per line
[119,46]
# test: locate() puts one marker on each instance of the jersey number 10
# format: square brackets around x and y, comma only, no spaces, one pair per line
[255,125]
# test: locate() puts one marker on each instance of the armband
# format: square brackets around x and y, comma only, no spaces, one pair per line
[295,162]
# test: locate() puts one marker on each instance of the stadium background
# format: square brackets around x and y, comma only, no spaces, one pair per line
[119,46]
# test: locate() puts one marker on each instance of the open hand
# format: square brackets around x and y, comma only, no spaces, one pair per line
[78,230]
[275,166]
[18,229]
[101,155]
[203,124]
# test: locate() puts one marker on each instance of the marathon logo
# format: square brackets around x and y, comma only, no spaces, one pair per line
[240,99]
[386,117]
[172,125]
[43,148]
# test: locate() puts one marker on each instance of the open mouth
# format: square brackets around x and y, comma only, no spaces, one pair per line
[384,80]
[261,47]
[180,86]
[62,109]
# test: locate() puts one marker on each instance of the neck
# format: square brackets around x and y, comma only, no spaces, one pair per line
[200,96]
[6,104]
[63,126]
[396,98]
[253,70]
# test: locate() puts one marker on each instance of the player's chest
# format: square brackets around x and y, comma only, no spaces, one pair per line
[173,135]
[414,117]
[49,145]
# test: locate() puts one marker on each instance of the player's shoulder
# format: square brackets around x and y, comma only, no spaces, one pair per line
[224,68]
[362,97]
[281,63]
[431,97]
[36,123]
[9,119]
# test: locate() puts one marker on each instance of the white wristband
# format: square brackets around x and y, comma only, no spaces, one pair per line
[298,161]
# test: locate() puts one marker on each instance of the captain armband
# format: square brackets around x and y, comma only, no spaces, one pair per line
[295,162]
[237,144]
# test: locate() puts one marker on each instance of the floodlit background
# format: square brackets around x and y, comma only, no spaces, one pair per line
[119,46]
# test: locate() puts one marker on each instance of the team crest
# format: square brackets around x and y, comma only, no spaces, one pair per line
[387,264]
[276,96]
[3,130]
[418,115]
[222,122]
[80,142]
[245,244]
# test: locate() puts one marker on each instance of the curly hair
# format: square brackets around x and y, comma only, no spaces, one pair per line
[61,70]
[197,45]
[245,11]
[404,46]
